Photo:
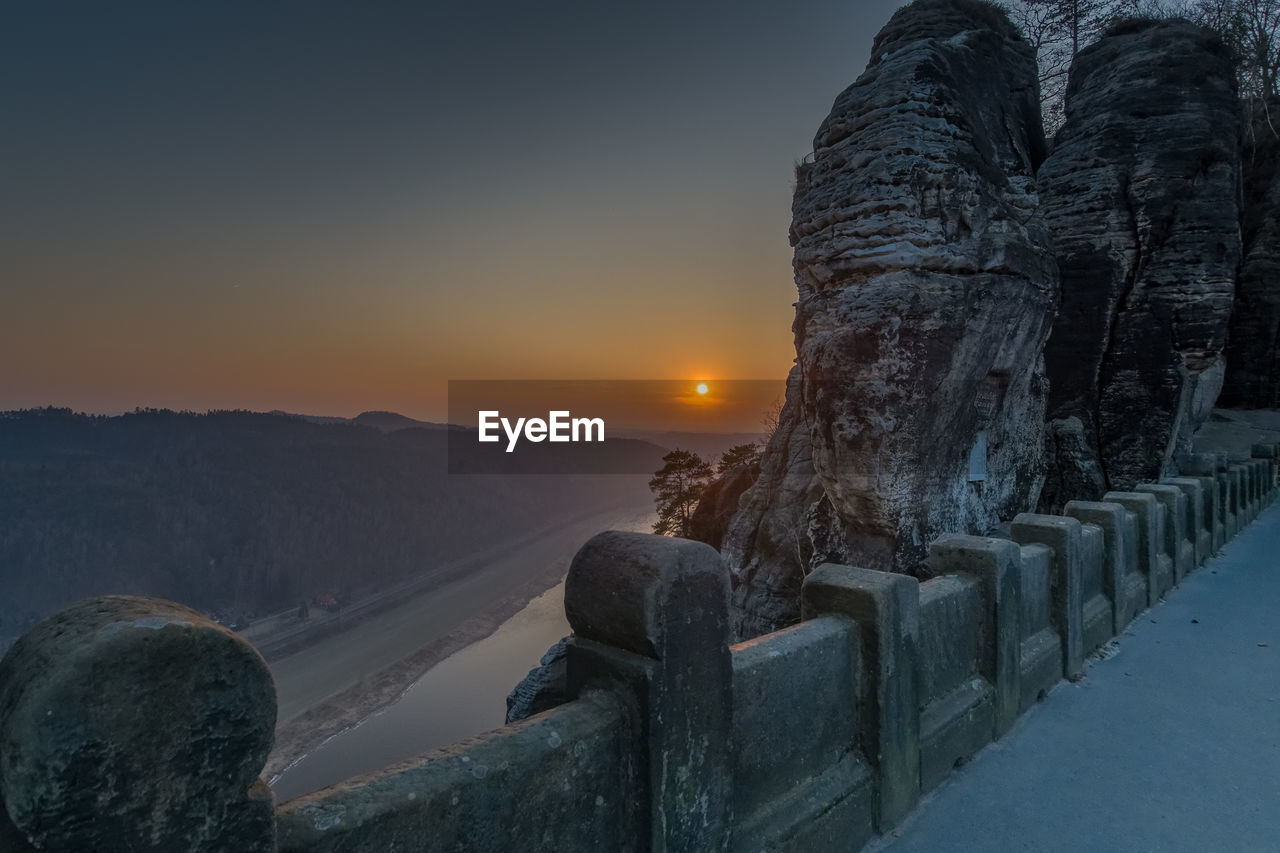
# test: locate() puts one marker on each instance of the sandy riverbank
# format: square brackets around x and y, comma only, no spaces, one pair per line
[334,684]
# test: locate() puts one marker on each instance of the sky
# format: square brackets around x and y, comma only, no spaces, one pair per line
[330,207]
[679,405]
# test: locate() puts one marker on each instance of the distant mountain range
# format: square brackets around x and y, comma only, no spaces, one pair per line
[381,421]
[708,445]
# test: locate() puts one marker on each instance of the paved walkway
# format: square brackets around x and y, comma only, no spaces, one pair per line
[1172,743]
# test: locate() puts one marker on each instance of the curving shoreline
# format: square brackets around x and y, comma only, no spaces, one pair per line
[313,723]
[349,708]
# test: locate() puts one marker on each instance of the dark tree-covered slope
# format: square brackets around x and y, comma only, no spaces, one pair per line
[242,513]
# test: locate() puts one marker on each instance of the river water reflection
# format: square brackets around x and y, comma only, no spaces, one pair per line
[462,696]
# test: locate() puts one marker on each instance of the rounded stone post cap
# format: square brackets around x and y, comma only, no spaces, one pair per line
[628,589]
[131,723]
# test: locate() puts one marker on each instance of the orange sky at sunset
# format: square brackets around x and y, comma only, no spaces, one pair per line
[332,346]
[706,405]
[370,201]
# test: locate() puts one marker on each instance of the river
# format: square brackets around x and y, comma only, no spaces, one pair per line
[463,695]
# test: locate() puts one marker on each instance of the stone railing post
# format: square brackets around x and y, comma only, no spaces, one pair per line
[1219,514]
[1208,468]
[1248,497]
[1239,500]
[1154,563]
[135,724]
[1255,488]
[1064,536]
[1264,482]
[1245,471]
[650,618]
[1267,454]
[886,607]
[1226,495]
[1200,512]
[1177,544]
[1113,519]
[996,563]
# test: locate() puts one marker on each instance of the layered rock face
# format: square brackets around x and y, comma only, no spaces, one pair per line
[926,288]
[768,546]
[1253,340]
[544,687]
[1140,195]
[719,504]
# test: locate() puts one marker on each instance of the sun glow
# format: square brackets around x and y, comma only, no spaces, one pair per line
[702,388]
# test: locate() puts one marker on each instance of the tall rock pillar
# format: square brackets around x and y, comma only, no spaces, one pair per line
[1141,196]
[926,289]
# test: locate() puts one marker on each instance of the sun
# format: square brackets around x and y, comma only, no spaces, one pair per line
[702,388]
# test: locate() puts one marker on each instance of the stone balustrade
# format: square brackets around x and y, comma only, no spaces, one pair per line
[137,724]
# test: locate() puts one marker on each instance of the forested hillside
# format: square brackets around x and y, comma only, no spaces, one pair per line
[241,514]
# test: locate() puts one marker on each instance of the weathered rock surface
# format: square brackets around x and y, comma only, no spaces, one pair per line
[768,547]
[543,688]
[136,724]
[926,288]
[12,841]
[1253,340]
[1072,464]
[1140,194]
[719,504]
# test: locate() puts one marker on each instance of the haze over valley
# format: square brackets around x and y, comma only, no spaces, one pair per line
[242,515]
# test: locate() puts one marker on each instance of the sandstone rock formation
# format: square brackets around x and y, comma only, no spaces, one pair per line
[1253,340]
[544,686]
[1073,468]
[926,289]
[768,546]
[1140,194]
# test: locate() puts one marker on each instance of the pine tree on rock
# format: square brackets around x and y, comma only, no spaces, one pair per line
[739,454]
[676,488]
